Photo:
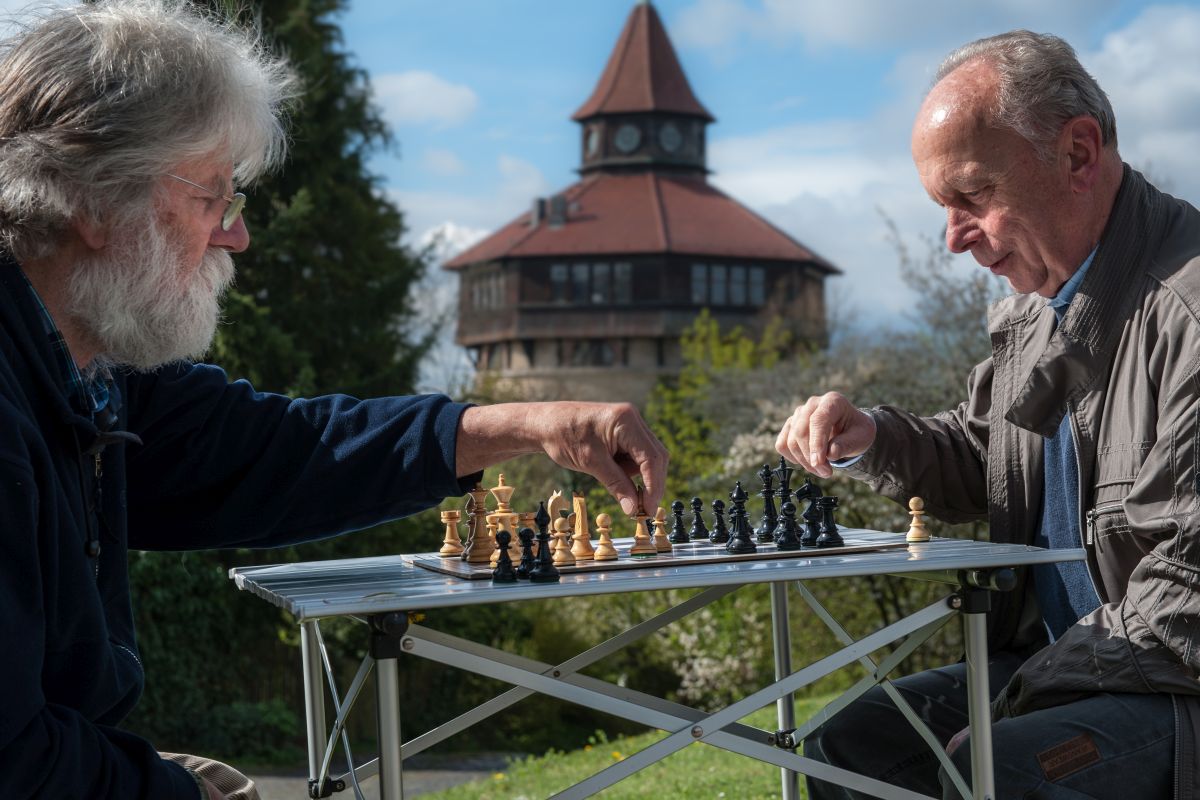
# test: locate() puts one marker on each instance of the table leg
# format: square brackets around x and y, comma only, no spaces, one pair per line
[314,697]
[983,779]
[782,636]
[387,701]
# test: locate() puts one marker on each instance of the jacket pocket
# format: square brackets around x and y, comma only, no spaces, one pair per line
[1118,549]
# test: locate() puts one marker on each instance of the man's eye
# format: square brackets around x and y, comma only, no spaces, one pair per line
[975,194]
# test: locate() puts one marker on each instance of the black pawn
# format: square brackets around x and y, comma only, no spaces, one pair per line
[789,535]
[544,570]
[720,534]
[504,572]
[765,532]
[528,560]
[829,532]
[678,534]
[812,521]
[741,541]
[699,529]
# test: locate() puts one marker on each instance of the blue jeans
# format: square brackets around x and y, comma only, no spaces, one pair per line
[1106,745]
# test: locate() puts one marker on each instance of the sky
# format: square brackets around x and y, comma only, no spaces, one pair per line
[814,103]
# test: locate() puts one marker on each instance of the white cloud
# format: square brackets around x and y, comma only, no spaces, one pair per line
[418,97]
[441,161]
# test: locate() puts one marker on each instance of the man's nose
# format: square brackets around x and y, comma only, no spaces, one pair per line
[235,240]
[962,231]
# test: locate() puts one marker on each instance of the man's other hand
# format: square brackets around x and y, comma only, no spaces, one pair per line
[826,428]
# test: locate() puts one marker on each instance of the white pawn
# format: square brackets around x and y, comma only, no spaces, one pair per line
[563,557]
[604,548]
[917,532]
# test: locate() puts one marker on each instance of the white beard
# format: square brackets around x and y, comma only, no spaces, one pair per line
[128,300]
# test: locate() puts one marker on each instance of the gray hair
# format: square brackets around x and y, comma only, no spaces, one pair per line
[1042,85]
[98,101]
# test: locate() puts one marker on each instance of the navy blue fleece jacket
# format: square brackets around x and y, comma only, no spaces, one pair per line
[220,465]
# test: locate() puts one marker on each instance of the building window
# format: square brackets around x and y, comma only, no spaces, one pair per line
[623,282]
[758,289]
[720,284]
[737,286]
[699,284]
[579,283]
[530,347]
[558,283]
[601,284]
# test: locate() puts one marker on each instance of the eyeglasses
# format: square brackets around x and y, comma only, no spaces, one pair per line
[232,211]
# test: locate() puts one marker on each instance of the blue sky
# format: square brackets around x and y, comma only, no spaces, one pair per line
[814,101]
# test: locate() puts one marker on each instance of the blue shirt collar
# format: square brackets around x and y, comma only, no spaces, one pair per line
[1066,294]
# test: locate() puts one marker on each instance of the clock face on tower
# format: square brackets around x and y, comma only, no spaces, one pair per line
[628,138]
[669,137]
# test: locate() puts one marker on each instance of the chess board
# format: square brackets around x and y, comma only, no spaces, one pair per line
[695,552]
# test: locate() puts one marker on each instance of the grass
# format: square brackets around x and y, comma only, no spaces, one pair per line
[697,771]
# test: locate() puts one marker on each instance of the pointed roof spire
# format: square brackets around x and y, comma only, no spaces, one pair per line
[643,73]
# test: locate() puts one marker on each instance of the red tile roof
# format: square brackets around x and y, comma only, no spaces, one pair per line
[644,213]
[643,73]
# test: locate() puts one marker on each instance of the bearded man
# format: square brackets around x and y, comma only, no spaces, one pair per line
[125,129]
[1081,431]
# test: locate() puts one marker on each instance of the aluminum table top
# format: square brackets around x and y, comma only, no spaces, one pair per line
[361,586]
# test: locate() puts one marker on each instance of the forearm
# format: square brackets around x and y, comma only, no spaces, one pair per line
[488,435]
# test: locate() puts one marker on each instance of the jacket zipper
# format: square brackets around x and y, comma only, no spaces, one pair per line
[1085,532]
[1095,513]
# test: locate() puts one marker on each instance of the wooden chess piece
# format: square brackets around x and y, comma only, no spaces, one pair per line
[812,515]
[604,548]
[720,533]
[699,529]
[528,560]
[661,542]
[830,537]
[543,571]
[740,537]
[504,572]
[563,557]
[581,544]
[503,516]
[765,532]
[789,536]
[917,532]
[525,520]
[556,504]
[480,544]
[784,473]
[642,546]
[678,534]
[452,546]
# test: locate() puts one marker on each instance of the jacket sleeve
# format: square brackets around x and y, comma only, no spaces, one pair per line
[46,749]
[222,465]
[942,459]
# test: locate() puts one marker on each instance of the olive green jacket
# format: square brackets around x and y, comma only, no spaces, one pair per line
[1125,365]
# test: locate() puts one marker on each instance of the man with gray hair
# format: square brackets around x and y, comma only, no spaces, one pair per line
[1081,431]
[126,127]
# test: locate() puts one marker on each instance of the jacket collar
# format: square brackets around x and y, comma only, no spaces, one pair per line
[1068,359]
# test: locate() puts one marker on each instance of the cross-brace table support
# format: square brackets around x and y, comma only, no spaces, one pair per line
[392,636]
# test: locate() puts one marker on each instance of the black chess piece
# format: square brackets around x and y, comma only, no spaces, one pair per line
[812,518]
[740,537]
[678,534]
[789,535]
[720,534]
[699,529]
[544,570]
[830,537]
[528,560]
[784,473]
[765,532]
[504,572]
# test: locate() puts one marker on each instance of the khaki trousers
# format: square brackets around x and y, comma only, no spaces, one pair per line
[233,784]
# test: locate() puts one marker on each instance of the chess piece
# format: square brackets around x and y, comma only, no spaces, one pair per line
[662,542]
[563,557]
[917,532]
[503,516]
[812,515]
[581,543]
[556,504]
[452,546]
[543,570]
[740,537]
[678,534]
[528,560]
[720,534]
[604,548]
[784,473]
[699,529]
[480,544]
[830,537]
[789,535]
[504,572]
[765,532]
[642,546]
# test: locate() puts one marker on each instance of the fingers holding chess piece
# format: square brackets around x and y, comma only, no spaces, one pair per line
[918,531]
[642,547]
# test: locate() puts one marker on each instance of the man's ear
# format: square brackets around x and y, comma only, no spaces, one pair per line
[90,232]
[1083,143]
